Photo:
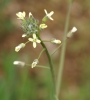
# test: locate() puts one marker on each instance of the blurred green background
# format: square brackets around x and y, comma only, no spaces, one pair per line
[18,83]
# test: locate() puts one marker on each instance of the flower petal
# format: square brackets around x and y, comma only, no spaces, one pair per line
[33,64]
[51,18]
[30,39]
[23,14]
[42,26]
[34,44]
[74,29]
[51,13]
[30,14]
[38,41]
[17,48]
[22,45]
[45,11]
[24,35]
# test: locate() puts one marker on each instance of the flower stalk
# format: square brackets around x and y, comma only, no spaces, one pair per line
[41,53]
[62,56]
[31,27]
[50,64]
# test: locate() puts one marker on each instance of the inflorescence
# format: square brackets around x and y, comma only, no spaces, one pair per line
[32,28]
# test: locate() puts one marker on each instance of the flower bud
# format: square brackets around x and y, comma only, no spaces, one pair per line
[70,33]
[35,62]
[42,26]
[56,41]
[24,35]
[19,63]
[22,45]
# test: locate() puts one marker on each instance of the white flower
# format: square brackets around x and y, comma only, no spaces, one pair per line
[42,26]
[17,48]
[49,14]
[19,63]
[35,62]
[56,41]
[34,40]
[70,33]
[21,15]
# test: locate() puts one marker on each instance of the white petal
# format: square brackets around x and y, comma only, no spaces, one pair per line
[17,48]
[34,36]
[51,13]
[42,26]
[23,13]
[74,29]
[51,18]
[59,41]
[19,13]
[30,39]
[38,41]
[30,14]
[16,62]
[33,64]
[70,33]
[34,44]
[22,45]
[24,35]
[45,11]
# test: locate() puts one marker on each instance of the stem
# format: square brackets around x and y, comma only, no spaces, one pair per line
[60,71]
[50,62]
[27,42]
[46,40]
[42,66]
[40,53]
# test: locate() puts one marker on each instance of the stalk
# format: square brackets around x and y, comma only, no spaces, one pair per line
[51,65]
[62,57]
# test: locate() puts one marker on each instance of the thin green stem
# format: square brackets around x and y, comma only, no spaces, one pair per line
[41,53]
[46,40]
[42,66]
[27,42]
[50,63]
[62,57]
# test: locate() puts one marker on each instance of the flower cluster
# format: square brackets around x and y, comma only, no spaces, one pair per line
[31,27]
